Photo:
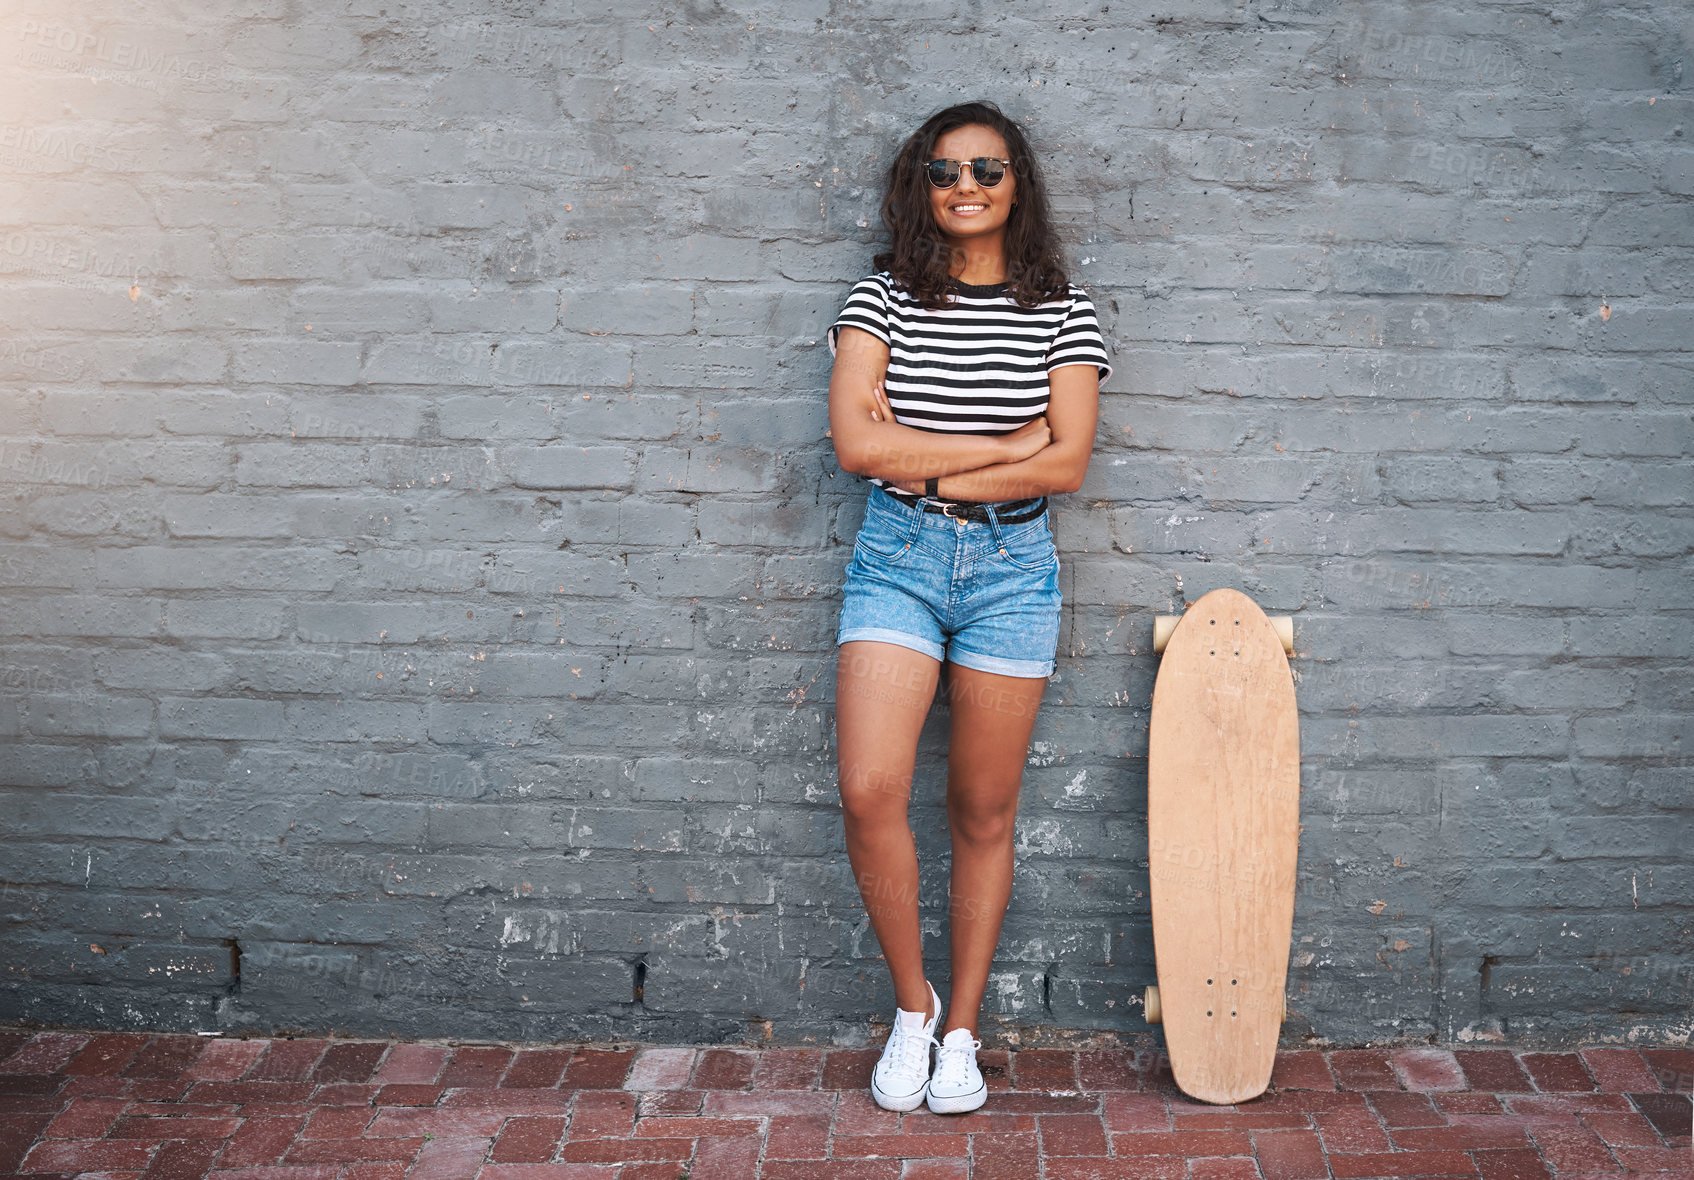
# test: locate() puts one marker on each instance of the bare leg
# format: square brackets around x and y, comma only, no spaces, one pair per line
[882,695]
[993,716]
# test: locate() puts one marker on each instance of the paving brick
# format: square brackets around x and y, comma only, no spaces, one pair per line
[1492,1069]
[450,1159]
[1289,1155]
[797,1137]
[1511,1165]
[1044,1069]
[1622,1130]
[1350,1131]
[850,1069]
[1559,1107]
[669,1102]
[598,1069]
[831,1170]
[660,1069]
[354,1062]
[1671,1114]
[1652,1159]
[617,1151]
[1673,1067]
[286,1061]
[476,1066]
[182,1160]
[405,1095]
[735,1102]
[1072,1134]
[789,1069]
[724,1069]
[1618,1069]
[1107,1069]
[324,1151]
[335,1122]
[44,1053]
[956,1169]
[225,1060]
[1086,1168]
[720,1158]
[443,1124]
[1245,1118]
[546,1172]
[1398,1109]
[412,1064]
[528,1139]
[86,1118]
[61,1155]
[1302,1070]
[1571,1148]
[902,1145]
[536,1068]
[1226,1168]
[1427,1069]
[1552,1072]
[857,1113]
[1005,1155]
[107,1054]
[1135,1112]
[1501,1132]
[260,1141]
[1401,1163]
[599,1113]
[1185,1143]
[693,1126]
[1363,1069]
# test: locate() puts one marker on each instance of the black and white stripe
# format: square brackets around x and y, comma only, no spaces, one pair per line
[978,367]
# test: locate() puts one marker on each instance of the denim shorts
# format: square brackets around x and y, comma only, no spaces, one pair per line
[981,594]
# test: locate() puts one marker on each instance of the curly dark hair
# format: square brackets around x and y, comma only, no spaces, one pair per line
[920,258]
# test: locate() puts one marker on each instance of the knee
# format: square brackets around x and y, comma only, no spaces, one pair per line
[987,827]
[873,796]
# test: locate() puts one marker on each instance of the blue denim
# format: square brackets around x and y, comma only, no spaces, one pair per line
[981,594]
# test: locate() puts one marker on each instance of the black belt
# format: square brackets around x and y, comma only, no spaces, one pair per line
[1014,512]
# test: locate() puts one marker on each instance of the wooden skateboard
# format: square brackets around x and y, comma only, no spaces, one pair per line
[1223,823]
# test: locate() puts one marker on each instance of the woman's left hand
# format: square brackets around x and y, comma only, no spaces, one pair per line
[883,411]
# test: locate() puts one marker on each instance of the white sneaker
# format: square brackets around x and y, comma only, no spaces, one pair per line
[901,1077]
[957,1084]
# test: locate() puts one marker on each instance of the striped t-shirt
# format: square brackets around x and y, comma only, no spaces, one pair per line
[978,367]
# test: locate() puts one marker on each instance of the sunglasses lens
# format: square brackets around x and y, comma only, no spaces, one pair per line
[943,173]
[987,172]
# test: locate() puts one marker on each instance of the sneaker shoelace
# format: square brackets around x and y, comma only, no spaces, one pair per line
[911,1047]
[953,1060]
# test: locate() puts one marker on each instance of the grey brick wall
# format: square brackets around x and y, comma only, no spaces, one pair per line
[421,550]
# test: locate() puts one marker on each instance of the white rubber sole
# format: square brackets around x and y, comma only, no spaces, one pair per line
[899,1101]
[960,1103]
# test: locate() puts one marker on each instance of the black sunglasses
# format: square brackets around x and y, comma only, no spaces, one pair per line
[985,170]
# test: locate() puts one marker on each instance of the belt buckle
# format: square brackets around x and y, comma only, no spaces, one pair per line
[947,510]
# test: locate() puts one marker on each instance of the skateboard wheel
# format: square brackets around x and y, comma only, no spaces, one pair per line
[1150,1002]
[1163,625]
[1284,625]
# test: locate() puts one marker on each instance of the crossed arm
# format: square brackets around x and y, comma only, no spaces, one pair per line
[1048,455]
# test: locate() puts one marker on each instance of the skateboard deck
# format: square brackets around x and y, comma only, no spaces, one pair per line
[1223,822]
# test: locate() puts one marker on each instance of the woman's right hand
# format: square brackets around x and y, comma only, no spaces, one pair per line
[1027,439]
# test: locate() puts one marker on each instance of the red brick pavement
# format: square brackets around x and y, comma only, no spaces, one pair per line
[132,1106]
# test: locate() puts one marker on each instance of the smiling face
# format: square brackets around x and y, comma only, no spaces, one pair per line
[968,214]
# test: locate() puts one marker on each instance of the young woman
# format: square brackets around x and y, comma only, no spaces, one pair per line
[966,389]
